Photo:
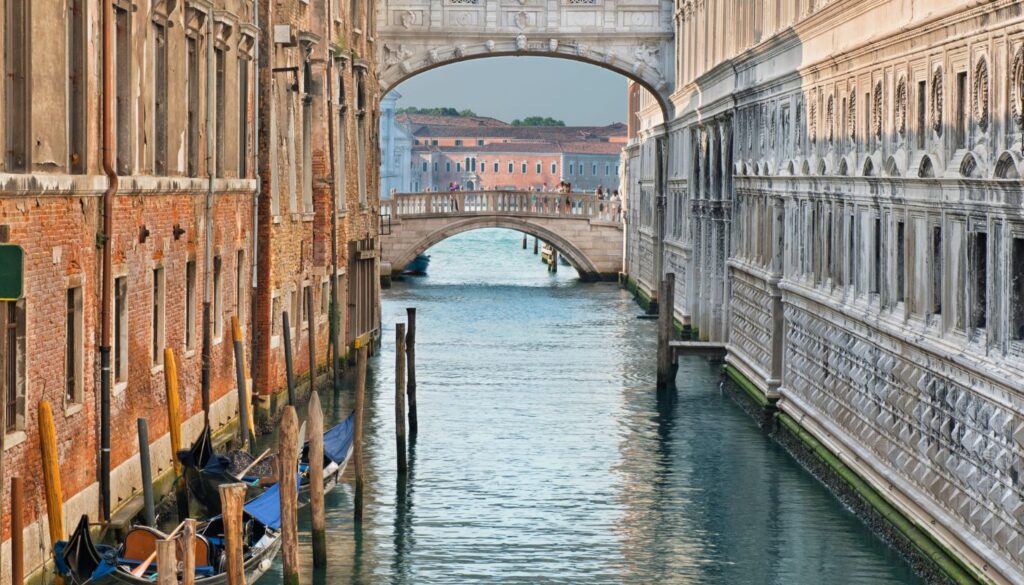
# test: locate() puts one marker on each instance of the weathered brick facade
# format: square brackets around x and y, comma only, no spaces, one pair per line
[52,185]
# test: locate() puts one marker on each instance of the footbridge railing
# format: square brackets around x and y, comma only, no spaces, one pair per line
[515,203]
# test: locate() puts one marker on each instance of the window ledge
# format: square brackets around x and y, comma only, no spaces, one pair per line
[296,216]
[120,387]
[275,341]
[189,353]
[14,439]
[156,369]
[73,409]
[308,216]
[276,219]
[218,338]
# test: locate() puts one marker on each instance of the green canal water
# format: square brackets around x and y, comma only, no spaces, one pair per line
[545,455]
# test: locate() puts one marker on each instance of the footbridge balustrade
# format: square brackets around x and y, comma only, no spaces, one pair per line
[585,229]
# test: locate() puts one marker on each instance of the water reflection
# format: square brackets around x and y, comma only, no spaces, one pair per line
[546,456]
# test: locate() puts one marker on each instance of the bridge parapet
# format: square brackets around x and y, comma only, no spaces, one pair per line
[516,203]
[586,230]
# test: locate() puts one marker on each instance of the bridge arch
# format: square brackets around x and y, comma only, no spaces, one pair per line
[579,260]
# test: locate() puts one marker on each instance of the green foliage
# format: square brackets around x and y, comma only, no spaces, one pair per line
[438,112]
[537,121]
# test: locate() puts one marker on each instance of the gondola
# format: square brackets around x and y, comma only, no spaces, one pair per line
[206,470]
[81,561]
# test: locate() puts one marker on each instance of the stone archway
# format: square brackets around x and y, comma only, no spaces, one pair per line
[588,267]
[635,39]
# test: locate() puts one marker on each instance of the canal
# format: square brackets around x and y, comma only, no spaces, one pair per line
[545,455]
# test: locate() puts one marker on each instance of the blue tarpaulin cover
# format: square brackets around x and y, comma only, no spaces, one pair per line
[338,439]
[266,507]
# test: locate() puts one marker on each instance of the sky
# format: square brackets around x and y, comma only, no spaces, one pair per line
[516,87]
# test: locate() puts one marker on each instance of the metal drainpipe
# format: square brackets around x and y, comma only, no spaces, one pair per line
[259,191]
[107,234]
[207,245]
[332,320]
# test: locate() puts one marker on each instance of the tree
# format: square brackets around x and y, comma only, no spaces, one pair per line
[442,111]
[537,121]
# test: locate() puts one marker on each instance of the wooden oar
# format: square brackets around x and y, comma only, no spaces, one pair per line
[138,571]
[242,473]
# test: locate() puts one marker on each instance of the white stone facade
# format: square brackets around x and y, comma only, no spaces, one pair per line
[395,150]
[843,208]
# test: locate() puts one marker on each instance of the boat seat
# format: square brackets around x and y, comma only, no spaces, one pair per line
[201,548]
[140,543]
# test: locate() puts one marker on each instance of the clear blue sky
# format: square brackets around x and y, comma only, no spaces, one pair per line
[516,87]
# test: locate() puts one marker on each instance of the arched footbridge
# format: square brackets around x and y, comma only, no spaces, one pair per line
[584,229]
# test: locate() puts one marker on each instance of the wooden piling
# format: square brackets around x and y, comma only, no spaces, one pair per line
[316,479]
[666,313]
[243,394]
[554,260]
[148,507]
[288,358]
[17,531]
[166,562]
[410,383]
[188,552]
[51,475]
[400,398]
[357,433]
[312,338]
[232,498]
[174,422]
[288,456]
[536,245]
[524,240]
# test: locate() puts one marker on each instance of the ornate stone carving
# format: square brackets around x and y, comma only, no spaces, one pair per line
[1017,88]
[522,19]
[876,111]
[830,119]
[980,97]
[553,45]
[646,55]
[460,50]
[489,45]
[394,55]
[900,107]
[812,120]
[521,42]
[407,19]
[433,56]
[851,116]
[937,100]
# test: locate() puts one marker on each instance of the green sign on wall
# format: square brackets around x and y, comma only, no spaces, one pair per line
[12,272]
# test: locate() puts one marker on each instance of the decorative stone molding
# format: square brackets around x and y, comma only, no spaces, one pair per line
[980,95]
[830,120]
[851,116]
[1017,88]
[877,111]
[900,108]
[937,101]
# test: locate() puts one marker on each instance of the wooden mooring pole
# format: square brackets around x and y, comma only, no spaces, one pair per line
[666,316]
[316,479]
[166,562]
[232,498]
[188,552]
[288,457]
[148,507]
[17,531]
[410,382]
[357,434]
[243,394]
[524,240]
[174,422]
[288,358]
[51,475]
[400,398]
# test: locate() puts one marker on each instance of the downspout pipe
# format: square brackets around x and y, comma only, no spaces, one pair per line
[332,321]
[259,188]
[109,168]
[211,172]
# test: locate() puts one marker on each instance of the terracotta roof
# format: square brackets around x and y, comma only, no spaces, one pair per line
[569,133]
[537,147]
[457,121]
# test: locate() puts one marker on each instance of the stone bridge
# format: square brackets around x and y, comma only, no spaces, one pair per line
[633,38]
[585,230]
